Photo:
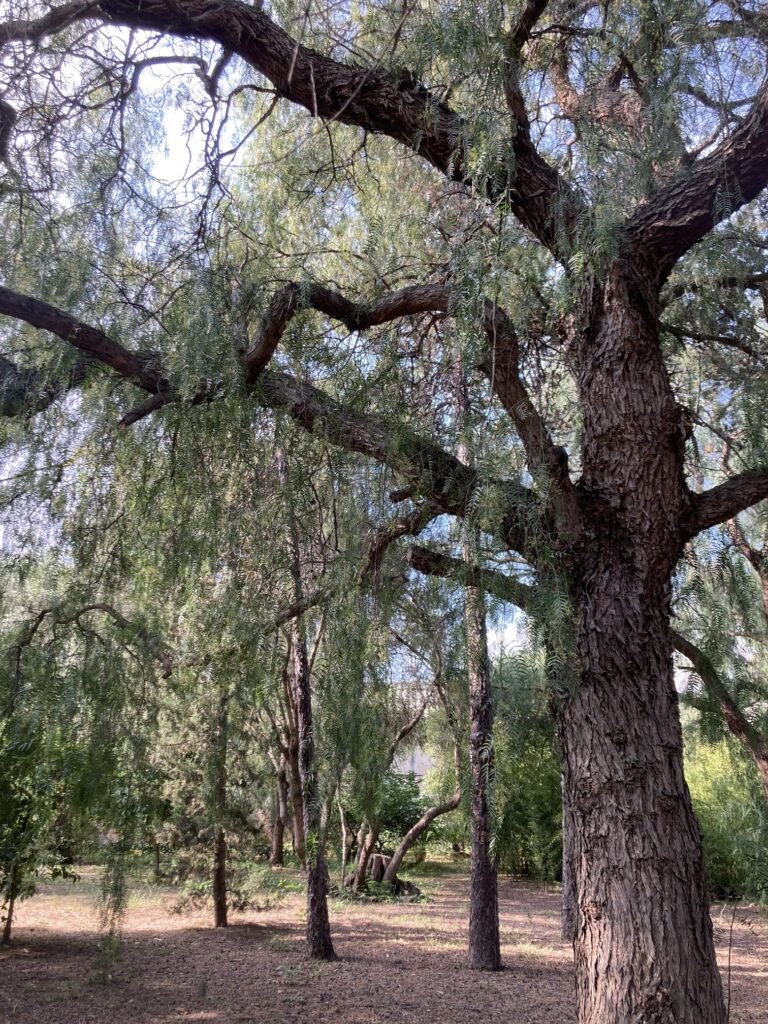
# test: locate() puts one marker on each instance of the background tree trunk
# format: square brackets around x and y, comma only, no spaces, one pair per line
[220,878]
[425,821]
[365,850]
[319,944]
[276,854]
[220,840]
[13,891]
[484,946]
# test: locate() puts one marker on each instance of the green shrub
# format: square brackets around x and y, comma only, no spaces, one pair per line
[730,805]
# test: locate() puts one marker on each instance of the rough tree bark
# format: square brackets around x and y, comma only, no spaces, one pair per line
[644,948]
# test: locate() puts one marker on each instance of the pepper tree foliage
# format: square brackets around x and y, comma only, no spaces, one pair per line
[469,216]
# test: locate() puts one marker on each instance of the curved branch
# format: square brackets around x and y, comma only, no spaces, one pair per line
[500,363]
[739,726]
[54,21]
[92,341]
[665,228]
[368,98]
[429,470]
[432,472]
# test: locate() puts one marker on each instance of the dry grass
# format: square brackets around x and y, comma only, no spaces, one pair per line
[400,964]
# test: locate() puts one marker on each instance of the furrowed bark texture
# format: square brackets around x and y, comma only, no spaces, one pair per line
[644,948]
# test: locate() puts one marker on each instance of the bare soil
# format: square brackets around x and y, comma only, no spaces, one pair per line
[399,964]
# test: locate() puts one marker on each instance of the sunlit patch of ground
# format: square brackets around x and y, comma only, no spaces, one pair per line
[400,963]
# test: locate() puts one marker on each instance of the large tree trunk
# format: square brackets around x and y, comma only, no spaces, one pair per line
[644,948]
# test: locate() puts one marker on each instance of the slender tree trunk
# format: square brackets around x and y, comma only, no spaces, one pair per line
[157,872]
[220,840]
[753,739]
[276,855]
[345,837]
[319,944]
[13,892]
[644,948]
[568,909]
[220,878]
[297,802]
[484,945]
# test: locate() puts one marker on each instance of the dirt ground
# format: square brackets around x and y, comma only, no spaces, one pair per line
[399,964]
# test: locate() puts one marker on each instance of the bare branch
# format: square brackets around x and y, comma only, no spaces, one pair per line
[741,728]
[434,563]
[90,340]
[723,502]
